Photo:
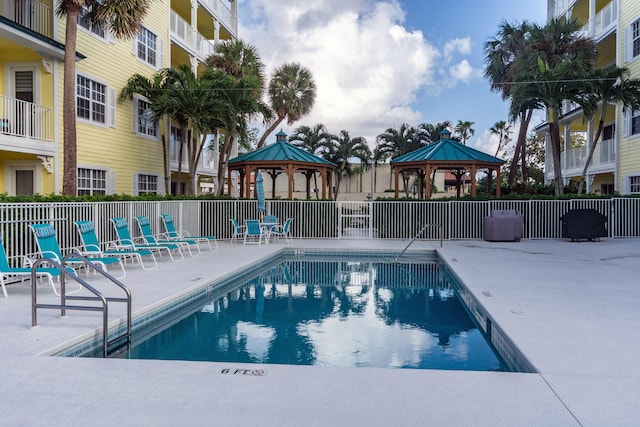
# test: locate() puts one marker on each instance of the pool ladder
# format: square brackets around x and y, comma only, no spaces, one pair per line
[119,340]
[418,234]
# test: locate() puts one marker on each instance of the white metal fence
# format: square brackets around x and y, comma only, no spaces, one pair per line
[312,219]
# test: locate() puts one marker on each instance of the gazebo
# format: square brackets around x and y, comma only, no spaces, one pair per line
[277,158]
[449,155]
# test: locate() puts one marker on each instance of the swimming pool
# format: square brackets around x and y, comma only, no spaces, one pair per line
[327,308]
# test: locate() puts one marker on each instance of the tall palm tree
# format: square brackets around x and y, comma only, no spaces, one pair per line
[342,148]
[464,130]
[292,93]
[501,56]
[241,61]
[553,69]
[312,140]
[123,18]
[154,90]
[396,142]
[609,86]
[502,129]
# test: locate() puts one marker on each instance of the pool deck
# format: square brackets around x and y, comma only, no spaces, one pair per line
[571,308]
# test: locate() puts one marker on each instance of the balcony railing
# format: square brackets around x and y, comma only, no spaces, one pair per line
[223,13]
[32,14]
[183,31]
[207,158]
[25,119]
[604,20]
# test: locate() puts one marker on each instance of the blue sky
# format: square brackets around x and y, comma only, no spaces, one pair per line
[378,64]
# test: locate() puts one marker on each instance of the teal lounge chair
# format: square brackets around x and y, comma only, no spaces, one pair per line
[125,241]
[92,247]
[48,246]
[144,225]
[7,272]
[282,231]
[172,234]
[254,232]
[238,230]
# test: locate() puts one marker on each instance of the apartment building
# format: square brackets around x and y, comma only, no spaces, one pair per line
[615,26]
[119,149]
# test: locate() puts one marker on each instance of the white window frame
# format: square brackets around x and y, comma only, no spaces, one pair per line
[141,185]
[93,102]
[92,190]
[141,48]
[634,184]
[150,130]
[632,34]
[104,36]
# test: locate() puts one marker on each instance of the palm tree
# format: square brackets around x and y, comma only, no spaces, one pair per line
[242,63]
[432,132]
[609,86]
[123,18]
[554,69]
[397,142]
[292,93]
[342,148]
[503,130]
[312,140]
[464,130]
[502,54]
[154,90]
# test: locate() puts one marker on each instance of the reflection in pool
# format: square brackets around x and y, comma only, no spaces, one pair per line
[346,313]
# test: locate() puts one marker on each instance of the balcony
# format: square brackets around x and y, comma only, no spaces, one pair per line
[207,159]
[220,10]
[25,119]
[31,14]
[605,21]
[190,39]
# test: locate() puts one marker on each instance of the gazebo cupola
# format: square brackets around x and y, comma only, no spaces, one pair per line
[281,136]
[445,134]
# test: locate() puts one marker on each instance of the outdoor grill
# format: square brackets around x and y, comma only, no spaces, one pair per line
[503,226]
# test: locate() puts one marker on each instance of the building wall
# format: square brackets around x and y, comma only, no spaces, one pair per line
[629,146]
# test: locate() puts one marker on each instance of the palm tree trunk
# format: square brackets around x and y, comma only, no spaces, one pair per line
[223,161]
[180,150]
[525,118]
[592,148]
[554,130]
[269,130]
[70,173]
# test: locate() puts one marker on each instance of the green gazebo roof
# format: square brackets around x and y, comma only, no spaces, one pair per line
[281,152]
[447,150]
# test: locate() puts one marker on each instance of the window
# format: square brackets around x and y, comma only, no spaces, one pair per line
[91,100]
[147,184]
[635,38]
[147,47]
[84,23]
[92,181]
[634,184]
[145,125]
[635,122]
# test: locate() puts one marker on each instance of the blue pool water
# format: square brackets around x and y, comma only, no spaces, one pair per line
[347,312]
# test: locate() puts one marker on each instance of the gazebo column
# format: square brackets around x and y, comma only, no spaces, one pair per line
[330,177]
[323,182]
[498,182]
[247,182]
[473,180]
[489,180]
[396,174]
[290,172]
[308,174]
[427,189]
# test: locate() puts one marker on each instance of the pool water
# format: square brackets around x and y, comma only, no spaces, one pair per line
[346,312]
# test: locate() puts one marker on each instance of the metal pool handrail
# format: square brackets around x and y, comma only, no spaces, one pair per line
[419,233]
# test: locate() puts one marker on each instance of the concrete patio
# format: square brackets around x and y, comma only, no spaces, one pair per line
[571,308]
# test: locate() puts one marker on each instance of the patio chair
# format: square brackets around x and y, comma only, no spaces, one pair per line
[254,232]
[48,246]
[8,272]
[125,241]
[282,231]
[144,225]
[92,246]
[238,230]
[172,234]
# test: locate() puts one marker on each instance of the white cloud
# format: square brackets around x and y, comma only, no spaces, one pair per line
[369,69]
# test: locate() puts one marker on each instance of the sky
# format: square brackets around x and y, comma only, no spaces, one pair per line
[381,63]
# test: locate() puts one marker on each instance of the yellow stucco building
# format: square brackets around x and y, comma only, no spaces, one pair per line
[615,26]
[118,149]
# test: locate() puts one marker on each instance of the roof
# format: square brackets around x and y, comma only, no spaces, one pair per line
[447,150]
[281,152]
